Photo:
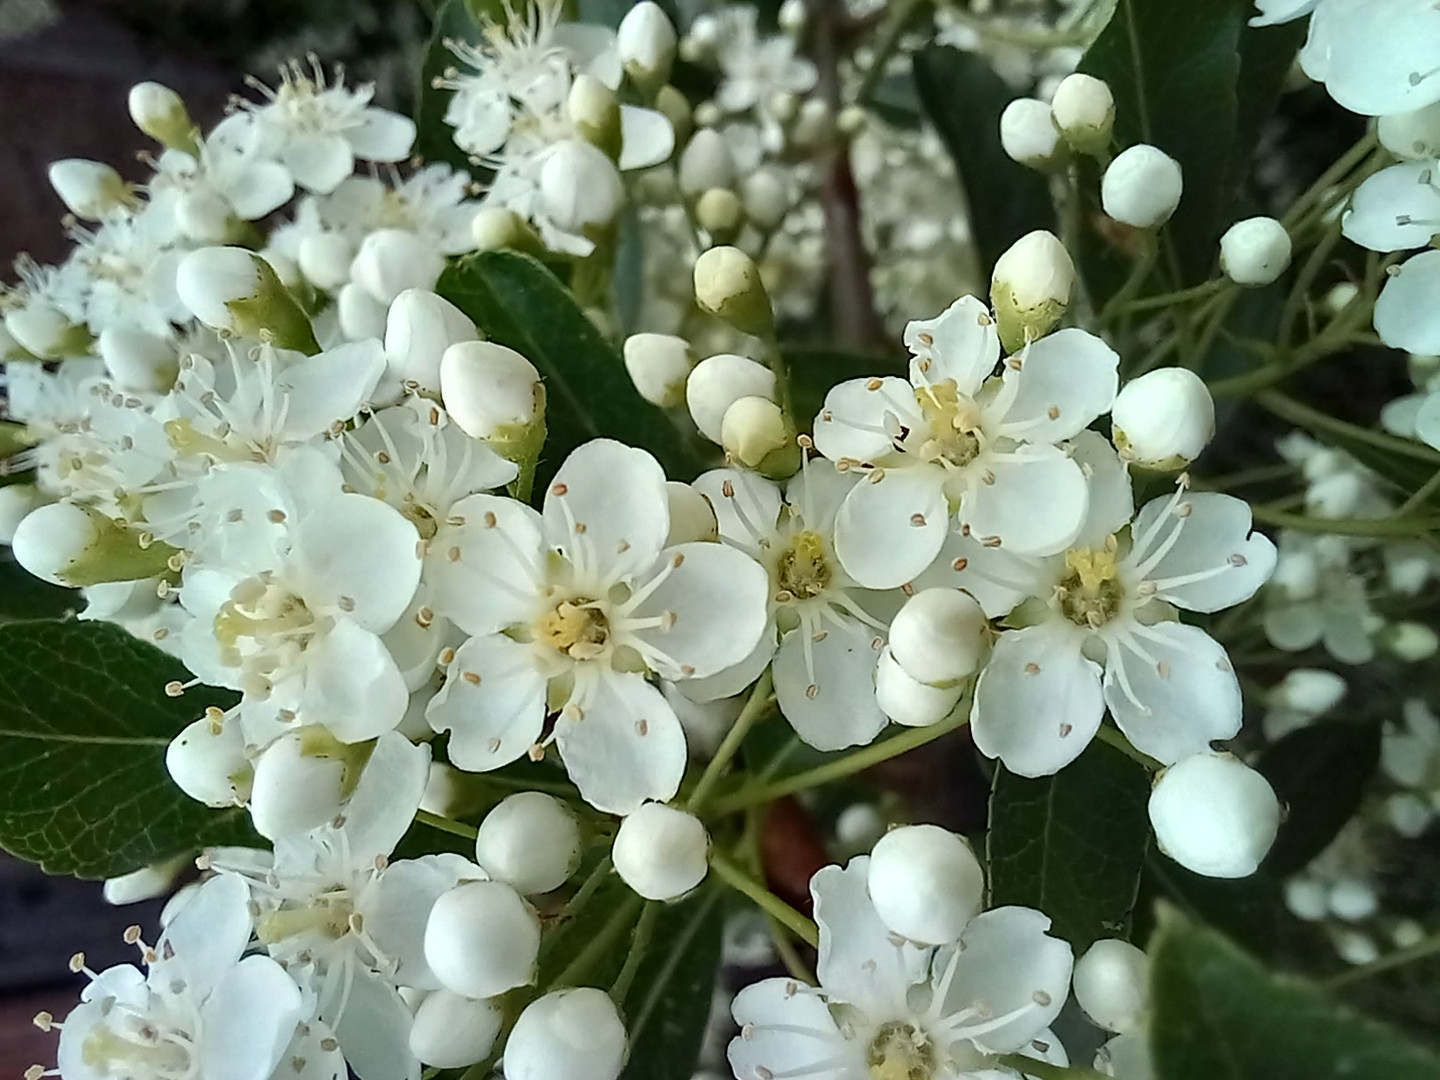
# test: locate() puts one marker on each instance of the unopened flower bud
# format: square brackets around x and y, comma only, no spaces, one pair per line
[67,544]
[939,636]
[1084,111]
[925,883]
[1028,134]
[360,315]
[675,107]
[756,433]
[580,188]
[160,113]
[792,16]
[717,383]
[1163,419]
[1030,288]
[482,939]
[1412,135]
[236,291]
[325,259]
[721,214]
[496,227]
[661,852]
[207,761]
[574,1034]
[44,332]
[531,841]
[708,115]
[594,110]
[692,518]
[89,189]
[814,125]
[658,365]
[16,502]
[1410,641]
[490,391]
[728,285]
[1112,985]
[1215,815]
[147,883]
[419,327]
[452,1031]
[766,198]
[392,260]
[301,780]
[705,163]
[1142,187]
[138,361]
[1255,251]
[905,699]
[646,41]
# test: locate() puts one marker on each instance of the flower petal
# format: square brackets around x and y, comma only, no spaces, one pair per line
[209,934]
[853,423]
[748,513]
[960,343]
[607,510]
[1406,316]
[352,684]
[248,1021]
[627,748]
[1376,58]
[786,1030]
[1112,498]
[647,138]
[892,525]
[318,162]
[496,716]
[358,558]
[329,388]
[382,135]
[841,666]
[374,1030]
[486,572]
[1065,381]
[397,906]
[860,961]
[1211,560]
[995,576]
[1036,505]
[386,797]
[1395,209]
[259,189]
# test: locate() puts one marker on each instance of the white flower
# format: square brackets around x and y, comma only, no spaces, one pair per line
[886,1007]
[1410,757]
[1100,624]
[1315,598]
[757,70]
[1374,56]
[569,608]
[226,181]
[952,435]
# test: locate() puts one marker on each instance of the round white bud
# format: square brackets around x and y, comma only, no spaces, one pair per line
[907,700]
[939,635]
[488,389]
[160,113]
[43,331]
[594,110]
[89,189]
[16,502]
[209,280]
[1028,134]
[717,383]
[1163,419]
[728,286]
[301,780]
[580,188]
[1308,691]
[755,433]
[1142,187]
[1410,641]
[792,16]
[766,197]
[147,883]
[925,883]
[692,518]
[52,539]
[207,761]
[784,106]
[496,227]
[721,214]
[814,124]
[392,260]
[419,327]
[325,259]
[360,315]
[1111,985]
[531,841]
[658,365]
[646,41]
[138,361]
[705,163]
[482,939]
[572,1034]
[1412,135]
[708,115]
[860,826]
[1084,110]
[1307,899]
[1255,251]
[661,852]
[1353,900]
[1215,815]
[1030,288]
[452,1031]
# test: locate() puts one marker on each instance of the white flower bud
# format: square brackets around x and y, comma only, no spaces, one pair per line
[692,518]
[721,214]
[705,163]
[138,361]
[717,383]
[766,198]
[784,105]
[207,761]
[1028,134]
[360,315]
[755,433]
[594,110]
[43,331]
[1410,641]
[325,259]
[792,16]
[1111,985]
[89,189]
[16,502]
[905,699]
[1310,691]
[646,41]
[531,841]
[160,113]
[580,188]
[728,286]
[1215,815]
[658,365]
[1353,900]
[859,827]
[925,883]
[1255,251]
[392,260]
[452,1031]
[236,291]
[301,780]
[1030,288]
[1307,899]
[204,217]
[708,115]
[1084,110]
[419,327]
[496,227]
[482,939]
[488,390]
[1142,187]
[852,120]
[67,544]
[675,107]
[572,1034]
[661,852]
[147,883]
[814,125]
[939,636]
[1163,419]
[1412,135]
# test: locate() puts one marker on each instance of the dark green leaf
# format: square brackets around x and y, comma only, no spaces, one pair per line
[964,98]
[1216,1014]
[434,138]
[83,786]
[813,371]
[1249,910]
[1320,774]
[519,303]
[24,596]
[1073,844]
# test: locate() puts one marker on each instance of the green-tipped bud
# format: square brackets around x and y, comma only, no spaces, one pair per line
[646,41]
[1084,112]
[721,214]
[496,227]
[494,393]
[675,107]
[236,291]
[595,111]
[728,286]
[756,433]
[67,544]
[1030,288]
[160,113]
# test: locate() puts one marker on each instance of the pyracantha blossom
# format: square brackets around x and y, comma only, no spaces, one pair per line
[953,436]
[571,608]
[886,1007]
[756,69]
[1410,756]
[1315,598]
[224,182]
[1100,628]
[129,264]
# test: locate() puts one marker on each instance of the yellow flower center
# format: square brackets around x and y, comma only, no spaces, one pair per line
[900,1051]
[1091,593]
[576,628]
[952,421]
[802,570]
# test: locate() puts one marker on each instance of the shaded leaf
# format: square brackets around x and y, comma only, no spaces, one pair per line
[1248,910]
[24,596]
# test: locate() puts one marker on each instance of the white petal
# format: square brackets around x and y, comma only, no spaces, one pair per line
[1112,500]
[318,162]
[486,573]
[1406,315]
[397,906]
[329,388]
[960,344]
[1214,562]
[1376,58]
[647,138]
[352,684]
[1037,504]
[382,136]
[786,1029]
[888,532]
[859,961]
[852,424]
[248,1021]
[732,680]
[386,797]
[841,667]
[374,1030]
[1395,209]
[260,189]
[749,513]
[1182,692]
[607,510]
[628,748]
[496,717]
[1068,378]
[358,558]
[1427,420]
[209,934]
[1037,702]
[816,492]
[995,576]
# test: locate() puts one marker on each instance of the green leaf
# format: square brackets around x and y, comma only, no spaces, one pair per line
[24,596]
[813,371]
[83,786]
[1249,910]
[434,138]
[1216,1014]
[1320,774]
[1073,844]
[964,98]
[519,303]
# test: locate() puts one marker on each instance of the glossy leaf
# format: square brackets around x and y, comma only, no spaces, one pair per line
[24,596]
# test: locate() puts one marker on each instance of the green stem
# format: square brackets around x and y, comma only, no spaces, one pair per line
[588,887]
[1304,416]
[1179,296]
[1330,177]
[1260,474]
[1113,737]
[755,707]
[624,915]
[445,824]
[639,943]
[1421,950]
[1028,1066]
[900,21]
[1422,493]
[1391,526]
[1140,272]
[767,901]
